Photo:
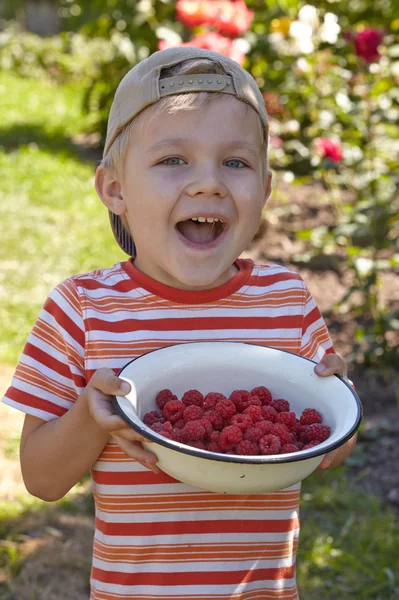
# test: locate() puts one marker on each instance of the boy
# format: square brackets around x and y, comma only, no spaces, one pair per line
[185,176]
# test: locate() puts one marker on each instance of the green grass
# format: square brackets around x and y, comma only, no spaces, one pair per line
[349,545]
[53,223]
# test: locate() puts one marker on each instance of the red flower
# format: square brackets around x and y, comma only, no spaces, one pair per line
[329,149]
[210,40]
[231,17]
[366,44]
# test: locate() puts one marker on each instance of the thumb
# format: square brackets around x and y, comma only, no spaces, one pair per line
[104,380]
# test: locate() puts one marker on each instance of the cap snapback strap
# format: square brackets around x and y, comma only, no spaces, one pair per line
[202,82]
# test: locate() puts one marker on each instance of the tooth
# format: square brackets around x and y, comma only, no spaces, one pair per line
[201,219]
[194,219]
[211,220]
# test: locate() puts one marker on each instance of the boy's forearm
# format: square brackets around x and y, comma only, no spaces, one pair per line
[57,454]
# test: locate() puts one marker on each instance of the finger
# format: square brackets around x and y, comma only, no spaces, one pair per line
[325,463]
[135,450]
[130,435]
[331,364]
[103,412]
[105,381]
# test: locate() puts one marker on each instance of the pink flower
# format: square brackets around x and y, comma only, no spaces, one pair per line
[231,17]
[210,40]
[366,43]
[329,149]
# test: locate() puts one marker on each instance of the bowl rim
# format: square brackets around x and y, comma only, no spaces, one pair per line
[232,458]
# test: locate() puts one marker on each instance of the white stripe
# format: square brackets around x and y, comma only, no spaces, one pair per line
[133,516]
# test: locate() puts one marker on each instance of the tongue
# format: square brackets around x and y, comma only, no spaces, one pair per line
[199,233]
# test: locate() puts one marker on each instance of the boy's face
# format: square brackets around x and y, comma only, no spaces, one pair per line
[181,169]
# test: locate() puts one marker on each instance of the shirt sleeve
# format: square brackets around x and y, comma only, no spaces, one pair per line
[50,374]
[316,341]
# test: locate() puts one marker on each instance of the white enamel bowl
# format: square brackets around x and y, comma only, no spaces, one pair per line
[224,367]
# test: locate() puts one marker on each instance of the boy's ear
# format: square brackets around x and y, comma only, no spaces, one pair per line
[268,186]
[109,189]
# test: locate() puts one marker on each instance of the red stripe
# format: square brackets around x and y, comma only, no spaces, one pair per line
[100,284]
[35,402]
[197,527]
[65,321]
[310,318]
[49,361]
[131,478]
[197,324]
[199,578]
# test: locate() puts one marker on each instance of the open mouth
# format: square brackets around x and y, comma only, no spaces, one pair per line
[201,230]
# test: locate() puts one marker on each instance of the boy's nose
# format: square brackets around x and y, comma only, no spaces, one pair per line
[207,181]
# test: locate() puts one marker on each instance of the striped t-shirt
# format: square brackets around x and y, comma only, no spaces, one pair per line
[156,538]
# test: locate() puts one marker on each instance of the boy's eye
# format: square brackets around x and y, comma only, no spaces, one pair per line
[172,160]
[235,163]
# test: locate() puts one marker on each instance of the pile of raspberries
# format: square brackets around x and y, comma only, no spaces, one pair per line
[246,423]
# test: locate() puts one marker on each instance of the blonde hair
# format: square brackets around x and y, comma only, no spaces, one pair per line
[115,159]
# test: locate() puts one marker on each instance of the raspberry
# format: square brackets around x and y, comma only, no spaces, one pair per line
[192,413]
[198,444]
[254,401]
[288,448]
[177,435]
[152,417]
[300,445]
[265,426]
[211,399]
[192,397]
[179,424]
[163,397]
[214,447]
[226,408]
[280,405]
[263,394]
[247,448]
[254,433]
[269,414]
[255,412]
[241,399]
[173,410]
[193,431]
[311,444]
[207,426]
[282,432]
[310,416]
[167,426]
[241,421]
[215,418]
[214,437]
[269,444]
[317,432]
[301,433]
[158,427]
[287,418]
[229,437]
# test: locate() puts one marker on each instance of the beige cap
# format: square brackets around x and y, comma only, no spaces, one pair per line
[142,86]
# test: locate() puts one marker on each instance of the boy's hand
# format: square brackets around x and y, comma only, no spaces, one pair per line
[102,386]
[332,364]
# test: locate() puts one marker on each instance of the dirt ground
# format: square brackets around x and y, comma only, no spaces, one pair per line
[61,540]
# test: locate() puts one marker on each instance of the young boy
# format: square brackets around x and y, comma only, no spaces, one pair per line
[185,176]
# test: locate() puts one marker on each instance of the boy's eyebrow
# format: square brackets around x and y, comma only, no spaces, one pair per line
[179,141]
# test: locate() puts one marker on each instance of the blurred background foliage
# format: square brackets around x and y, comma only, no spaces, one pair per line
[329,72]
